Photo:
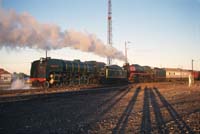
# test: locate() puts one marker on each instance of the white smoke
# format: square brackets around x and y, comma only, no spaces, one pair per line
[23,30]
[18,84]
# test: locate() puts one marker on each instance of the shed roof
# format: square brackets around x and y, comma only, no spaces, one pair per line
[2,71]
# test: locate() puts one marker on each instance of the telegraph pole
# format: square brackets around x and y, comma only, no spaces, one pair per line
[126,55]
[109,37]
[126,60]
[192,65]
[46,54]
[192,74]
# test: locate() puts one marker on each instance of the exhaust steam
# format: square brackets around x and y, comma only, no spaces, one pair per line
[19,84]
[23,30]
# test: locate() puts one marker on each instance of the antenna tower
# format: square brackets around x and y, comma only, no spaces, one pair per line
[109,38]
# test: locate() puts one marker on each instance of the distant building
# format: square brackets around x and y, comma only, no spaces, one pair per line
[5,76]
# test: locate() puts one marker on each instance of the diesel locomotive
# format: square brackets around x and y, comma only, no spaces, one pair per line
[49,72]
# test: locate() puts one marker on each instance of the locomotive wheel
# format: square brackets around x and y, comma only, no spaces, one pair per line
[46,84]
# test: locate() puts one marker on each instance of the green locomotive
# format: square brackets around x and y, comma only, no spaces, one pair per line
[48,72]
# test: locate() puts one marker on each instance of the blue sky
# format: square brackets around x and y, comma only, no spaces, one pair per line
[163,33]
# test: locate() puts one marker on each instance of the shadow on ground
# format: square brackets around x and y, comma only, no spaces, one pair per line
[81,113]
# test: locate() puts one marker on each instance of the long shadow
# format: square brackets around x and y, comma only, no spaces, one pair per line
[104,101]
[95,113]
[183,127]
[162,129]
[146,120]
[110,98]
[108,104]
[122,122]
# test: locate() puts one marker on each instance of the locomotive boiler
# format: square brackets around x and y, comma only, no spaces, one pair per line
[49,72]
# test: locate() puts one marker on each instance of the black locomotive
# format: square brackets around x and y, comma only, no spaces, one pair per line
[56,72]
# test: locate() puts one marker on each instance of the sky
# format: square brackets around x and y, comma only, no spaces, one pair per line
[163,33]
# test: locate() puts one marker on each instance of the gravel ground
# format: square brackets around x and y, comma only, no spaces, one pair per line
[144,108]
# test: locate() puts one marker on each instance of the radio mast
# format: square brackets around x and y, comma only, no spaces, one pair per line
[109,36]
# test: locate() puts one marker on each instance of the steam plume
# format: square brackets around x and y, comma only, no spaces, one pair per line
[19,84]
[23,30]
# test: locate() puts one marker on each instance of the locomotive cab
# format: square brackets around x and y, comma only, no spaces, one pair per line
[38,72]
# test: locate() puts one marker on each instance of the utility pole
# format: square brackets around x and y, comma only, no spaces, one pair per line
[109,36]
[46,54]
[126,60]
[126,55]
[192,74]
[192,65]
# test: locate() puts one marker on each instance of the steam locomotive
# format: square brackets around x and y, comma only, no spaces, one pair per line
[49,72]
[137,73]
[55,72]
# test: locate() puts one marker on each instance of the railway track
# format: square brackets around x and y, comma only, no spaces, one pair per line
[121,109]
[26,94]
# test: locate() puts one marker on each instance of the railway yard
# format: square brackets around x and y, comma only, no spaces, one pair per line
[135,108]
[57,76]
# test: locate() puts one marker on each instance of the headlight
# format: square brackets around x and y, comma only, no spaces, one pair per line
[51,81]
